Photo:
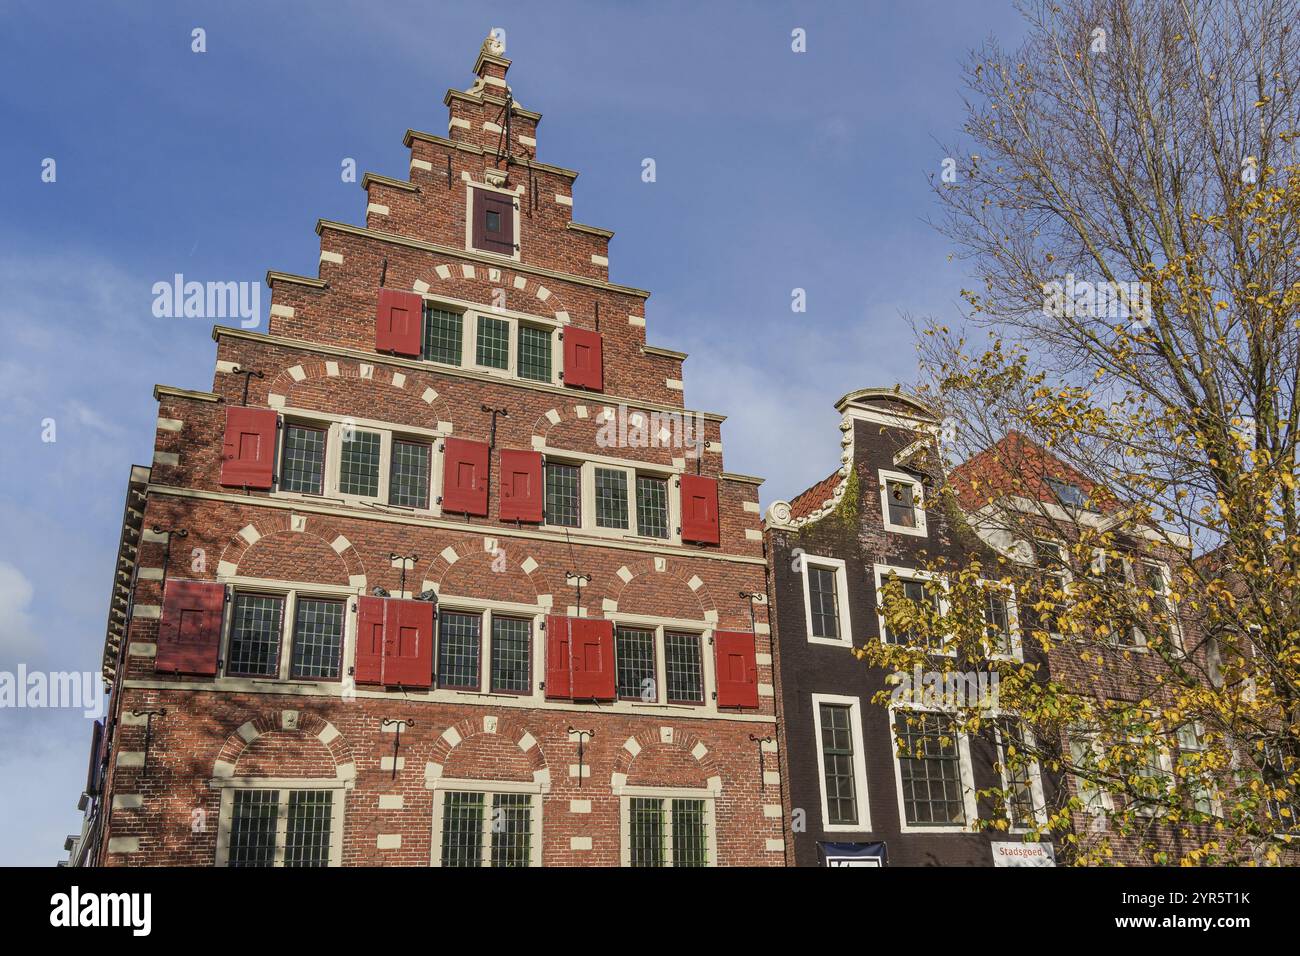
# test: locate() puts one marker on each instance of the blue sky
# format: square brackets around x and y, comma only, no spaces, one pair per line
[775,170]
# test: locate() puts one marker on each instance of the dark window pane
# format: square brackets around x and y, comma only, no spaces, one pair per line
[684,673]
[458,646]
[359,463]
[534,354]
[634,656]
[442,335]
[837,763]
[493,349]
[317,639]
[918,592]
[511,637]
[307,841]
[511,829]
[255,633]
[690,834]
[611,498]
[823,599]
[408,486]
[930,768]
[493,221]
[462,829]
[252,828]
[646,831]
[902,507]
[302,464]
[563,495]
[652,506]
[997,622]
[1011,742]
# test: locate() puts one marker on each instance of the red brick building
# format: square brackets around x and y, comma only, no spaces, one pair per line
[441,570]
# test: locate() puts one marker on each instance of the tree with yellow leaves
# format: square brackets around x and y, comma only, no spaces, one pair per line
[1127,432]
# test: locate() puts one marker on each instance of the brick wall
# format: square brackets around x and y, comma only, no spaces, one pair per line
[319,356]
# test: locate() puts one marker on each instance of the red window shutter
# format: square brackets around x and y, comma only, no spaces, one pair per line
[408,643]
[521,485]
[189,632]
[248,451]
[491,209]
[559,684]
[699,509]
[583,363]
[592,652]
[369,667]
[465,476]
[397,322]
[737,668]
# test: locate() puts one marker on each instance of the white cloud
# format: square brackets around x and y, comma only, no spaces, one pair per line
[17,627]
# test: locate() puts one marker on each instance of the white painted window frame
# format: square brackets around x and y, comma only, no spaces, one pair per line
[485,610]
[1104,801]
[1166,582]
[587,465]
[885,476]
[667,794]
[658,627]
[229,785]
[965,770]
[863,823]
[1063,574]
[1035,777]
[1013,619]
[443,785]
[840,569]
[334,427]
[1198,730]
[289,592]
[882,572]
[470,312]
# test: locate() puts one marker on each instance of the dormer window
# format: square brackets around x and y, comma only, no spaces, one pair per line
[1068,493]
[902,503]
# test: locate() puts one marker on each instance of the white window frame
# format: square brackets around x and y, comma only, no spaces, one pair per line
[964,768]
[1013,619]
[840,569]
[918,502]
[658,629]
[667,794]
[535,790]
[518,198]
[228,786]
[289,593]
[469,313]
[587,466]
[1104,802]
[882,573]
[1063,574]
[1137,641]
[485,610]
[863,824]
[1165,770]
[334,427]
[1035,778]
[1198,729]
[1166,581]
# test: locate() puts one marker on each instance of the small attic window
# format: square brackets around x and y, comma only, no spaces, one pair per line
[1068,493]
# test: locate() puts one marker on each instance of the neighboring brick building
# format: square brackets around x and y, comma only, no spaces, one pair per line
[1039,511]
[365,541]
[829,551]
